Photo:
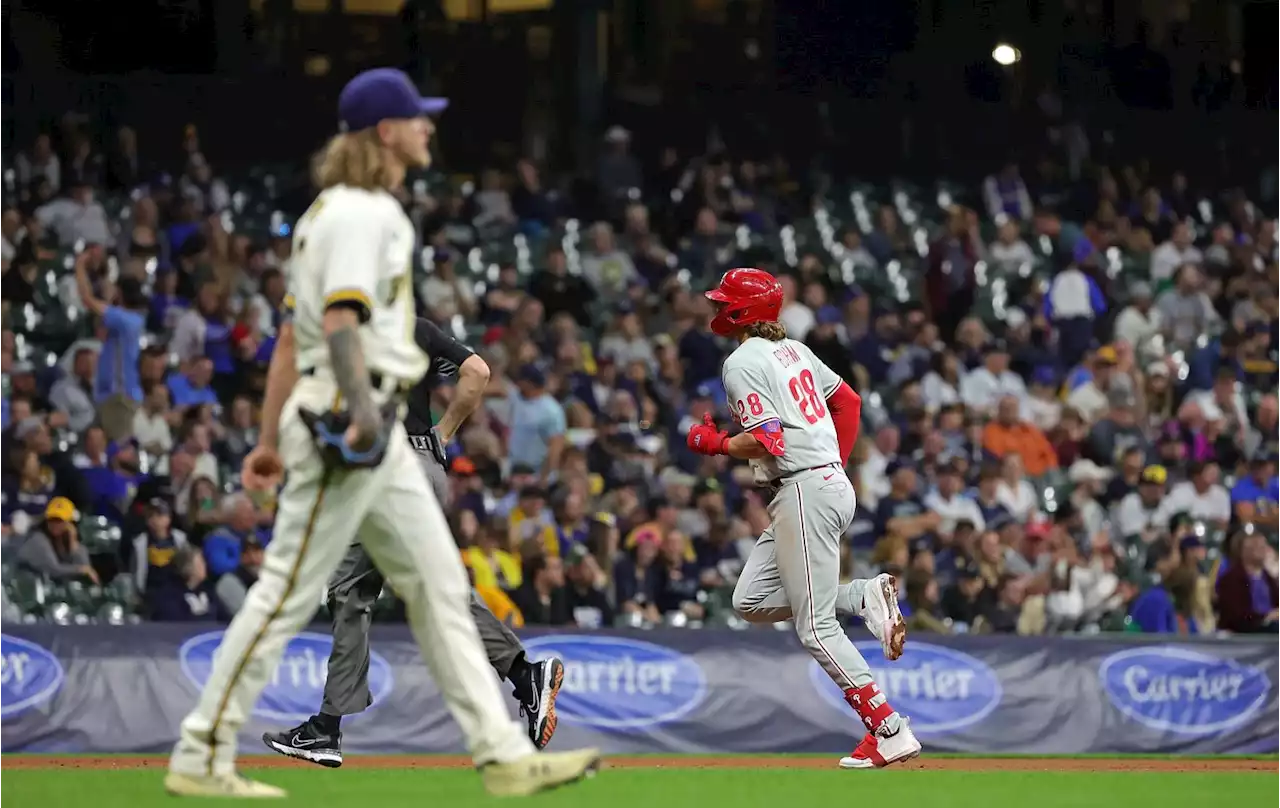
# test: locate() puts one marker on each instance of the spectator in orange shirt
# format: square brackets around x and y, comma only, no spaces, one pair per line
[1008,433]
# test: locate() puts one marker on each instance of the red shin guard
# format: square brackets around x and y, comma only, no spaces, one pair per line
[870,705]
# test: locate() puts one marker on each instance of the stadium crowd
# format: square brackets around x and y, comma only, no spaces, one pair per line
[1070,417]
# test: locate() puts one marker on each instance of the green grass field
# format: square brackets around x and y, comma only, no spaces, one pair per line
[671,786]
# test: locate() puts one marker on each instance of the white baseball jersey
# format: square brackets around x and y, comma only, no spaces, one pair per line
[784,384]
[355,246]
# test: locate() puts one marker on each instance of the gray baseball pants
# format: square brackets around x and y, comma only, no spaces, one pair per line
[793,572]
[352,591]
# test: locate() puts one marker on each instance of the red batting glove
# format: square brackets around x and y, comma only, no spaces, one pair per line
[706,439]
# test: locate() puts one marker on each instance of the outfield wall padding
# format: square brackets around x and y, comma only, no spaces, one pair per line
[105,689]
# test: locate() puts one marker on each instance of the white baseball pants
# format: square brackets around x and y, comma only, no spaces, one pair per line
[793,572]
[393,512]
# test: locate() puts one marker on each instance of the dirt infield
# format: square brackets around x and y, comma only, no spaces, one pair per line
[1025,764]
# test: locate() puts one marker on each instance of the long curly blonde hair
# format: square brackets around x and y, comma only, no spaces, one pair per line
[355,159]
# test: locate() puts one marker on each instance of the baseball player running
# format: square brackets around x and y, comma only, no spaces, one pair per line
[350,469]
[357,583]
[799,422]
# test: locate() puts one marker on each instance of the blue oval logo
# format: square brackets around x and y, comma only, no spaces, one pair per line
[29,675]
[941,690]
[297,686]
[1183,691]
[615,683]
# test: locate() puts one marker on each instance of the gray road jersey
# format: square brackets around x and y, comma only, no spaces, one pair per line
[783,382]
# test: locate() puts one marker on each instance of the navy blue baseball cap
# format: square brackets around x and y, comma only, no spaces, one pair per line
[383,94]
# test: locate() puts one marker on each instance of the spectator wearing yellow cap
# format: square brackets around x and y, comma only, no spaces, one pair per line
[1138,513]
[55,550]
[1090,398]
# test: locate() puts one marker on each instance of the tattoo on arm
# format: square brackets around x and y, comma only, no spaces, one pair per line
[347,358]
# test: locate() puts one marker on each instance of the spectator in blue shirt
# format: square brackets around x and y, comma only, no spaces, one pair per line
[194,386]
[222,546]
[124,323]
[1203,365]
[901,512]
[537,424]
[1156,610]
[113,485]
[1255,496]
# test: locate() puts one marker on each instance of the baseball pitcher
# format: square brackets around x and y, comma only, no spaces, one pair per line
[357,583]
[350,469]
[799,422]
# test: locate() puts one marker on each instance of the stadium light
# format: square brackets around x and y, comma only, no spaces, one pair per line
[1005,54]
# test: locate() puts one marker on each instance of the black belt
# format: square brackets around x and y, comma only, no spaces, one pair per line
[425,444]
[775,485]
[375,380]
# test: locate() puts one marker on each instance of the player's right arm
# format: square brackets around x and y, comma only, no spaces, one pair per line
[745,446]
[351,243]
[750,396]
[754,410]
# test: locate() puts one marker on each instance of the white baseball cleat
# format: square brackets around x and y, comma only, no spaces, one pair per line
[881,614]
[876,751]
[219,785]
[539,771]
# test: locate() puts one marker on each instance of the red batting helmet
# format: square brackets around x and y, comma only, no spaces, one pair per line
[749,296]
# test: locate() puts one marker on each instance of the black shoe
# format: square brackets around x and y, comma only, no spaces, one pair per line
[540,710]
[307,742]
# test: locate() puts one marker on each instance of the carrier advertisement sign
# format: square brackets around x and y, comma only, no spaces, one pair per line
[119,689]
